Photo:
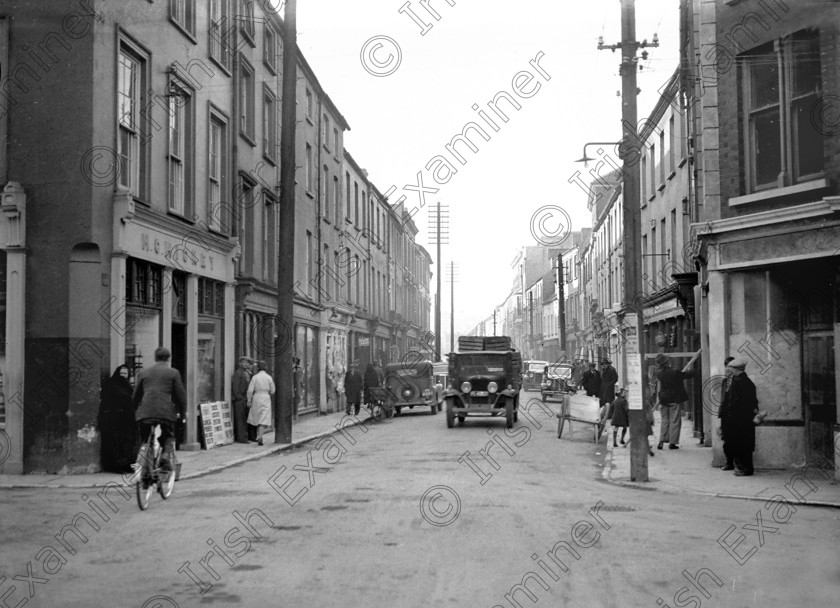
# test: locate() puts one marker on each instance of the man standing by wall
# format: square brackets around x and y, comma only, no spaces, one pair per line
[239,396]
[353,388]
[739,408]
[671,397]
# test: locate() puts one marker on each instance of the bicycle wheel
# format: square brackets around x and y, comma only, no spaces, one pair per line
[166,482]
[144,487]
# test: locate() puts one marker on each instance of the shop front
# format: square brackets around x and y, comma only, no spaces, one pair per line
[177,290]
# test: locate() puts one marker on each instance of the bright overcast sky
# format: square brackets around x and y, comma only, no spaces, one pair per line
[401,121]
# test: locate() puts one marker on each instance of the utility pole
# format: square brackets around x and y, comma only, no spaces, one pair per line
[284,398]
[561,306]
[634,344]
[439,233]
[452,272]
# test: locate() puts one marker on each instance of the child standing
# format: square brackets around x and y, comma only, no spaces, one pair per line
[619,416]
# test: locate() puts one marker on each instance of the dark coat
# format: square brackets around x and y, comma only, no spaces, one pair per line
[159,393]
[620,415]
[609,377]
[671,388]
[117,428]
[591,383]
[736,414]
[239,384]
[353,386]
[371,380]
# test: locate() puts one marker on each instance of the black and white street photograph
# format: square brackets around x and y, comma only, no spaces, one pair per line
[419,303]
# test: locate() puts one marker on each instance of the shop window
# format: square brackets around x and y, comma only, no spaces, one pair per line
[179,297]
[143,283]
[781,85]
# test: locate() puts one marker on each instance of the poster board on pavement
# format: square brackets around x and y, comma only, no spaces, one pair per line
[217,423]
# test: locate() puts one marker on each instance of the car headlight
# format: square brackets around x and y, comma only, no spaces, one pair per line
[492,387]
[466,387]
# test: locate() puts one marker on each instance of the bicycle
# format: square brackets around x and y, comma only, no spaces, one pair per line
[380,405]
[149,470]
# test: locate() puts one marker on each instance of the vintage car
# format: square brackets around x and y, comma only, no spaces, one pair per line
[411,384]
[557,381]
[483,383]
[532,375]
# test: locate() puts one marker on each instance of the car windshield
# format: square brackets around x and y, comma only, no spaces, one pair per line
[481,365]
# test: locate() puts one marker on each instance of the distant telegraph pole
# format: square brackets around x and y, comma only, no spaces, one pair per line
[453,276]
[284,342]
[439,234]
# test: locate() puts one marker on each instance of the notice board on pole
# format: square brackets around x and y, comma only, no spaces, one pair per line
[217,423]
[633,382]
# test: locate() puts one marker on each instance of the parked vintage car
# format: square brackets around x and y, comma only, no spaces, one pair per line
[557,381]
[532,375]
[411,384]
[483,383]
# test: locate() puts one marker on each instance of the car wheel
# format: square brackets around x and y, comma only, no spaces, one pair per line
[509,413]
[450,415]
[434,409]
[398,410]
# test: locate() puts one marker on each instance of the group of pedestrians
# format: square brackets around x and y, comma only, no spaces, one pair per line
[251,394]
[356,385]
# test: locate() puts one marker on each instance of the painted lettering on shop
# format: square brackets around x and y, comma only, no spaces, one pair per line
[171,253]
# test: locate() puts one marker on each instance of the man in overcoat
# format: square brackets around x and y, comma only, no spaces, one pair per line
[609,378]
[736,417]
[239,396]
[353,388]
[160,398]
[591,382]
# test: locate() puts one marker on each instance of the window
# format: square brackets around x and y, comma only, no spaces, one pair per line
[309,105]
[326,132]
[211,297]
[180,140]
[269,131]
[782,83]
[311,262]
[336,199]
[246,101]
[247,18]
[364,210]
[220,31]
[308,168]
[325,195]
[131,143]
[673,257]
[663,236]
[323,264]
[661,157]
[270,238]
[644,189]
[335,141]
[654,268]
[356,203]
[347,197]
[653,169]
[672,166]
[217,175]
[245,201]
[143,283]
[270,48]
[182,12]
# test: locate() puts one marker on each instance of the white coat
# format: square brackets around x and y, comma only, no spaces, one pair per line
[259,399]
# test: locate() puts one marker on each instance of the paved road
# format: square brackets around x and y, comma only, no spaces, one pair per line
[351,531]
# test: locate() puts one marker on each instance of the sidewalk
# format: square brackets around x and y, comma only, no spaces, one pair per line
[202,462]
[690,470]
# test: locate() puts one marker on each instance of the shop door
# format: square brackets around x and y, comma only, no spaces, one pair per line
[820,396]
[179,362]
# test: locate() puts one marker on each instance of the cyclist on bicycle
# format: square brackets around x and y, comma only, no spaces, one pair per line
[160,398]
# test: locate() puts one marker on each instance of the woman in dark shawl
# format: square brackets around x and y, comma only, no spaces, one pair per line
[117,427]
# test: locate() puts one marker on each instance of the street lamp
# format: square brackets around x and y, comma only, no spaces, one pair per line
[585,159]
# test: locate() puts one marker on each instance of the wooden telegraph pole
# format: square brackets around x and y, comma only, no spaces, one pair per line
[283,403]
[634,329]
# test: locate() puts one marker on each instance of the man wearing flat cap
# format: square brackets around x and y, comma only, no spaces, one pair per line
[736,417]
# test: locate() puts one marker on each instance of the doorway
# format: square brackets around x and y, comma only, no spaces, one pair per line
[179,362]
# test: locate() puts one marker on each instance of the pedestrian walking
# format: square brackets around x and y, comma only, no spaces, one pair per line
[609,377]
[117,425]
[620,416]
[260,391]
[591,382]
[239,397]
[739,408]
[160,398]
[671,397]
[353,388]
[371,380]
[723,413]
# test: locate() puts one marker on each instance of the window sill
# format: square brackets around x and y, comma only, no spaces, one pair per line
[271,68]
[183,30]
[248,37]
[310,195]
[661,187]
[672,176]
[247,138]
[682,162]
[309,120]
[776,193]
[220,65]
[270,160]
[652,196]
